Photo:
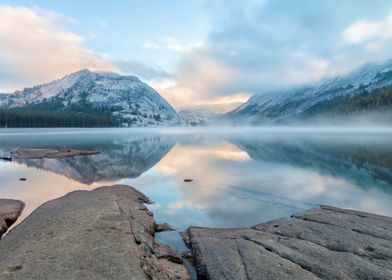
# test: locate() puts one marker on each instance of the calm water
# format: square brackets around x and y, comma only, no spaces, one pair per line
[241,177]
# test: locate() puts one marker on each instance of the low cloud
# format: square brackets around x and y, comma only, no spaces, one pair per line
[35,49]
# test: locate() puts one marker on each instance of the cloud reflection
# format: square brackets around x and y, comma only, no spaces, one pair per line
[231,189]
[240,179]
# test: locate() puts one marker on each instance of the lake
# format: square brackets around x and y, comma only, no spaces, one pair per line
[241,176]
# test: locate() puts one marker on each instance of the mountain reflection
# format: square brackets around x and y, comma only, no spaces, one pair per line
[119,157]
[364,161]
[243,180]
[239,179]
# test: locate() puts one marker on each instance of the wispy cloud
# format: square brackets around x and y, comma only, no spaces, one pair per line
[35,49]
[104,24]
[142,70]
[375,35]
[364,30]
[151,46]
[172,44]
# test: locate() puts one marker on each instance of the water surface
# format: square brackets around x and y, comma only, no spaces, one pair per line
[241,177]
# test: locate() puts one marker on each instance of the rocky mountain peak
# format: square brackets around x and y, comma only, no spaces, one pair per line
[126,98]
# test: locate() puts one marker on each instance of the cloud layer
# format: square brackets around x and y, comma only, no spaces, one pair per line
[258,46]
[250,47]
[35,49]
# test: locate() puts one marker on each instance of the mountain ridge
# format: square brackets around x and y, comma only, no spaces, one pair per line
[127,99]
[298,102]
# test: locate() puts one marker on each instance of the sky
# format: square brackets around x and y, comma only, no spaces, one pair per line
[195,53]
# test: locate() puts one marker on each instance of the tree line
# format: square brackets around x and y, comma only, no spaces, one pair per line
[379,100]
[20,118]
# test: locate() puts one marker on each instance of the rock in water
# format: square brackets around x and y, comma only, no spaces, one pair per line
[324,243]
[163,227]
[50,153]
[10,210]
[106,233]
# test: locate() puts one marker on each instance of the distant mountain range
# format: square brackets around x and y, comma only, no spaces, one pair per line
[199,117]
[367,90]
[87,98]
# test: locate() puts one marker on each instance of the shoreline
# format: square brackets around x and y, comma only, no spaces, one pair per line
[325,242]
[105,233]
[305,130]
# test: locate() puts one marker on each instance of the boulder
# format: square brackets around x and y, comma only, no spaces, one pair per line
[10,210]
[106,233]
[322,243]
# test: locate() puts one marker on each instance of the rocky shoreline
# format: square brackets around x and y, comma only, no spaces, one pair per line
[108,233]
[322,243]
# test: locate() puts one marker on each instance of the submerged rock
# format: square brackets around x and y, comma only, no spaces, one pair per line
[10,210]
[50,153]
[324,243]
[106,233]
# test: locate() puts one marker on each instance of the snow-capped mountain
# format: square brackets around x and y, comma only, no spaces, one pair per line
[127,99]
[350,90]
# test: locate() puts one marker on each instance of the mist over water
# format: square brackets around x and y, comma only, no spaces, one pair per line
[242,175]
